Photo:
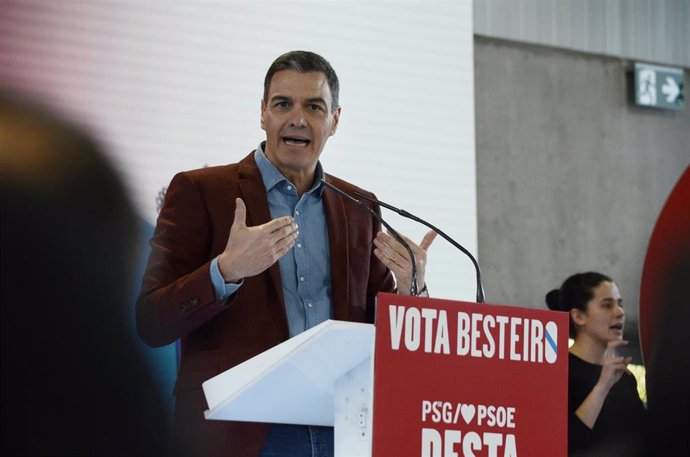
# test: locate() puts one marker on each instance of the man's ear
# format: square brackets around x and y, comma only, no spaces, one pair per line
[263,109]
[336,118]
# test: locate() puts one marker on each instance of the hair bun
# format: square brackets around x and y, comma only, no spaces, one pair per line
[553,300]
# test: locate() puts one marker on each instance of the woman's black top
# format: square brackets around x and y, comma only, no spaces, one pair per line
[619,429]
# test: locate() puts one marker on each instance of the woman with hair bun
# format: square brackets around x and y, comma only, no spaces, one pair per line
[605,413]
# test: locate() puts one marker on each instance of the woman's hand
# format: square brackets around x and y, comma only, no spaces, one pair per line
[612,369]
[613,366]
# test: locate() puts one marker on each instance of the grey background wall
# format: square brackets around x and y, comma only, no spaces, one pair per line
[653,30]
[570,175]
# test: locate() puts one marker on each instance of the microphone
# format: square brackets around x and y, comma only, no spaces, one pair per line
[413,286]
[402,212]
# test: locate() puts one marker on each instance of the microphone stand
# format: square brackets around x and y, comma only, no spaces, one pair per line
[402,212]
[413,286]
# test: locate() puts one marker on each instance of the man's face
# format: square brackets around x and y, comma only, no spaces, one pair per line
[298,120]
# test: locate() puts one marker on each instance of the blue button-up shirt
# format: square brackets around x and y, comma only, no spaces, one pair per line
[305,270]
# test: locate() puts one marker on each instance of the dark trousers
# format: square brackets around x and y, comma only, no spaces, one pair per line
[299,441]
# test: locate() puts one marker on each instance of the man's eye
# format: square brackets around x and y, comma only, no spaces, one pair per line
[315,107]
[281,105]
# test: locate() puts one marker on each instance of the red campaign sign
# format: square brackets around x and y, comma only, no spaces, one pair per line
[459,379]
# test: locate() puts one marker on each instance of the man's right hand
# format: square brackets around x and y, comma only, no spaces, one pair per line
[251,250]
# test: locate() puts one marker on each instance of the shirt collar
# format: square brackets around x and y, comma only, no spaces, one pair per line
[272,176]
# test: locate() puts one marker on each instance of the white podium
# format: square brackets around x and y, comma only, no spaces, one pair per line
[323,376]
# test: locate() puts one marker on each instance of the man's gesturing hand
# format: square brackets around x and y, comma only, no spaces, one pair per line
[251,250]
[394,255]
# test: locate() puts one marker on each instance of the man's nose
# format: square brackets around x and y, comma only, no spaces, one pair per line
[297,118]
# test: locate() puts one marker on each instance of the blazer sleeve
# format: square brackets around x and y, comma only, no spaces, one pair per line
[177,295]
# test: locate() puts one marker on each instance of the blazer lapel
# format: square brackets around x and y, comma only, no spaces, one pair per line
[254,195]
[338,241]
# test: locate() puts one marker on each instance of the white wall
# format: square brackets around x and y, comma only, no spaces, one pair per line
[171,86]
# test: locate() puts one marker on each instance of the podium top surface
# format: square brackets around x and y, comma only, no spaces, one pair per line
[293,382]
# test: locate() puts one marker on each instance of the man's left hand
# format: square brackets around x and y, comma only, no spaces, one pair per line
[394,255]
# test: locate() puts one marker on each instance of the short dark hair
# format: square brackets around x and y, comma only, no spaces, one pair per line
[575,292]
[303,62]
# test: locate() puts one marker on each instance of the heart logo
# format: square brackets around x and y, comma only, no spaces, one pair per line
[467,412]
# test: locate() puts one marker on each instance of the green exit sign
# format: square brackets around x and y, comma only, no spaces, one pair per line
[659,87]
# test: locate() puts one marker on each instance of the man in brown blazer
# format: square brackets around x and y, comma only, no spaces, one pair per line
[232,274]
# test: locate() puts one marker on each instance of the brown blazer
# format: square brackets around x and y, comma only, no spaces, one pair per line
[178,301]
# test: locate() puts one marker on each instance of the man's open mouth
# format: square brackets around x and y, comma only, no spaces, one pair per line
[616,327]
[293,141]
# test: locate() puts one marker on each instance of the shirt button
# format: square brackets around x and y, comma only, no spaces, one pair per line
[288,187]
[299,245]
[297,212]
[301,279]
[309,304]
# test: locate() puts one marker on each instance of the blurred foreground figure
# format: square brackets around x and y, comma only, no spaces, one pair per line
[664,316]
[72,380]
[668,375]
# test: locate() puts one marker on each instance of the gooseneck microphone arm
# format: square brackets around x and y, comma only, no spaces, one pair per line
[413,286]
[402,212]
